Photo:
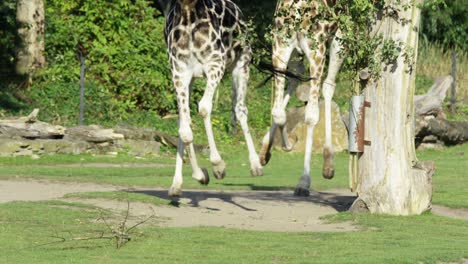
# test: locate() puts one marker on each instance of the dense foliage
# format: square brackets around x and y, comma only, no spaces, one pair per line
[128,76]
[446,22]
[126,67]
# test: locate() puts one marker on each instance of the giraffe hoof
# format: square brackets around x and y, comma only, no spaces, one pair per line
[328,173]
[219,170]
[256,172]
[328,170]
[302,188]
[175,192]
[206,177]
[288,148]
[300,191]
[264,159]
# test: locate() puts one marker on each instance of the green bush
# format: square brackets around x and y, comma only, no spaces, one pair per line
[59,103]
[128,76]
[127,69]
[445,22]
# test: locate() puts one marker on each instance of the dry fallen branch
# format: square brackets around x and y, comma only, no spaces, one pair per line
[121,233]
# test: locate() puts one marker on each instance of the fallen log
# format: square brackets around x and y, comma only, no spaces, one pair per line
[449,132]
[430,119]
[431,102]
[29,127]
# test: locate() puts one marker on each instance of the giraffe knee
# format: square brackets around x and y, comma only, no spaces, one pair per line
[279,116]
[185,134]
[311,115]
[204,108]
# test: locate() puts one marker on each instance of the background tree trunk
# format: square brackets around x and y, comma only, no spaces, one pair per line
[31,20]
[392,180]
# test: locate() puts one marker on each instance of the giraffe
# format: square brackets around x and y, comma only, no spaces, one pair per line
[206,38]
[294,30]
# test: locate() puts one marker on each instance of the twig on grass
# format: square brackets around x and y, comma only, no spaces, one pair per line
[121,233]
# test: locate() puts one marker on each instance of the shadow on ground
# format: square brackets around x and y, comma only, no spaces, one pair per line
[340,200]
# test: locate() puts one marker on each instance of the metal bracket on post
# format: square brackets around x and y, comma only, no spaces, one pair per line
[356,124]
[357,113]
[357,116]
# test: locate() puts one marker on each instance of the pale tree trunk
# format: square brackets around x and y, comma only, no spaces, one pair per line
[392,180]
[31,20]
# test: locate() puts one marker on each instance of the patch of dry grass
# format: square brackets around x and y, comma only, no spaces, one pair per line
[434,61]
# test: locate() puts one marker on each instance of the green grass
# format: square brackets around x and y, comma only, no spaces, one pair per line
[121,196]
[28,227]
[449,182]
[277,175]
[78,159]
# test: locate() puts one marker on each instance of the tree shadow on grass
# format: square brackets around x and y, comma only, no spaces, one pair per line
[340,200]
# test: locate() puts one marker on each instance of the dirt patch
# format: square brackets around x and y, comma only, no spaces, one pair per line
[35,190]
[458,213]
[463,261]
[267,211]
[251,210]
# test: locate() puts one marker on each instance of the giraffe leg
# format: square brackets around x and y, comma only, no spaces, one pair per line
[214,75]
[199,174]
[328,89]
[281,54]
[176,187]
[286,145]
[241,75]
[316,60]
[182,79]
[328,170]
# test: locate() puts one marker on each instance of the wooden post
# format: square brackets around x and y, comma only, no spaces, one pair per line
[82,77]
[454,76]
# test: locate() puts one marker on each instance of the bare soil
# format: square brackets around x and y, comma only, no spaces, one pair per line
[249,210]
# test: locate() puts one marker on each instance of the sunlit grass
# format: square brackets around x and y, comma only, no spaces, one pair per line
[450,180]
[434,61]
[29,228]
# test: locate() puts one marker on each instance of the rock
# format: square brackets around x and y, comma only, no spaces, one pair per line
[93,134]
[146,134]
[74,147]
[28,136]
[11,147]
[140,147]
[297,130]
[136,133]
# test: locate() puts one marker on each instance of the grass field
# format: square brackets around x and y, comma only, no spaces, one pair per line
[450,183]
[31,231]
